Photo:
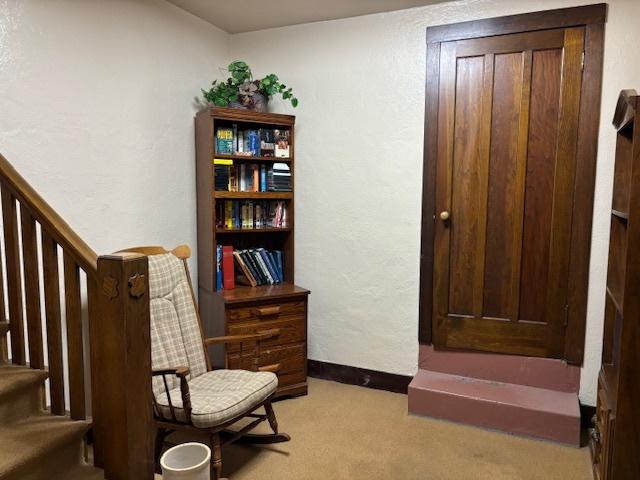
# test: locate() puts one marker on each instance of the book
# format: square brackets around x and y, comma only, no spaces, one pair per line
[263,266]
[267,261]
[272,259]
[253,142]
[218,267]
[279,262]
[228,275]
[263,178]
[228,214]
[224,140]
[245,270]
[249,259]
[255,184]
[281,143]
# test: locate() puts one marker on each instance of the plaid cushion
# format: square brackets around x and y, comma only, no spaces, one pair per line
[175,333]
[220,396]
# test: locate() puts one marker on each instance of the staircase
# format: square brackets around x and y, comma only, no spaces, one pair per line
[53,284]
[37,445]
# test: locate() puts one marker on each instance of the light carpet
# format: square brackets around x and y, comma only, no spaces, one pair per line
[347,432]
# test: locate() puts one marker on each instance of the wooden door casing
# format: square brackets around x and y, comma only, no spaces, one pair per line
[508,119]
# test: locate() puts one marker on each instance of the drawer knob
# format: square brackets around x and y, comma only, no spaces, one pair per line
[267,311]
[595,434]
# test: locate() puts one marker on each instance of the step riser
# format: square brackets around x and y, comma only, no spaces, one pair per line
[22,404]
[53,466]
[536,372]
[493,415]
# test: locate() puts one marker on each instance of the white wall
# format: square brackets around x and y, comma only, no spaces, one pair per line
[359,163]
[96,102]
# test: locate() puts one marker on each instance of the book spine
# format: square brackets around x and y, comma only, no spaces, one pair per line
[218,267]
[279,263]
[228,214]
[228,275]
[243,178]
[254,262]
[247,261]
[264,267]
[244,269]
[274,264]
[263,178]
[256,178]
[267,261]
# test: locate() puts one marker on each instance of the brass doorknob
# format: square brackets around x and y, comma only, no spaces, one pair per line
[444,216]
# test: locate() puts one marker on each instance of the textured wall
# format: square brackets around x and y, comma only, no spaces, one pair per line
[97,112]
[359,164]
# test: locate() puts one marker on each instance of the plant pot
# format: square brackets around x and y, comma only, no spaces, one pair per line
[188,461]
[258,103]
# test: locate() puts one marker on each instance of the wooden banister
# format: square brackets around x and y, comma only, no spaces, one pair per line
[53,223]
[114,294]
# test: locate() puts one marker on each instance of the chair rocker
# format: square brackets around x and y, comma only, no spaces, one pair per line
[187,393]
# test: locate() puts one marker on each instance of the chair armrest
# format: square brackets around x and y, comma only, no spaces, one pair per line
[181,373]
[242,338]
[177,371]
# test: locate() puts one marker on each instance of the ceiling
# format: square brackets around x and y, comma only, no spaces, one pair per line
[250,15]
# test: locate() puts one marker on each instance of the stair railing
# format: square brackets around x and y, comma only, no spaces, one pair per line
[37,241]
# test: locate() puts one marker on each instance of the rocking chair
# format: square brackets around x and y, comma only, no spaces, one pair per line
[187,393]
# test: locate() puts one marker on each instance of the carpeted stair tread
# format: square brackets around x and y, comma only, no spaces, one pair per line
[83,472]
[14,378]
[26,442]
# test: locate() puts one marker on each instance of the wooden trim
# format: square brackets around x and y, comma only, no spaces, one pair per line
[584,189]
[428,192]
[525,22]
[362,377]
[250,116]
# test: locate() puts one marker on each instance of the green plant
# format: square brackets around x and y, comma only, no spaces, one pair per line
[241,87]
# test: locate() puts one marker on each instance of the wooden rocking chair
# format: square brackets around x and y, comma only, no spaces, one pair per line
[187,393]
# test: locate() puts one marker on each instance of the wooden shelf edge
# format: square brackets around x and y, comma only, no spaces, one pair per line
[247,158]
[242,294]
[254,195]
[251,230]
[249,116]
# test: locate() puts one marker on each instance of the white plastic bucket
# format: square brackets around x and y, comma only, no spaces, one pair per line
[187,461]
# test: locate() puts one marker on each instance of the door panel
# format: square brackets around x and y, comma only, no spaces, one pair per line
[507,130]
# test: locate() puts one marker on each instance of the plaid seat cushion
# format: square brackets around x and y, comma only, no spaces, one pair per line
[220,396]
[176,340]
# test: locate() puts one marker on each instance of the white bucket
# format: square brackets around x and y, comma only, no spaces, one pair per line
[187,461]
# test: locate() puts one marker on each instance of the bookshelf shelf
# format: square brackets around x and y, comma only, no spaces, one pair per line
[253,159]
[254,195]
[245,309]
[223,231]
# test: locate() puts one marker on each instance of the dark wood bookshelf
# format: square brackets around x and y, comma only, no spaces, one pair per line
[245,309]
[615,438]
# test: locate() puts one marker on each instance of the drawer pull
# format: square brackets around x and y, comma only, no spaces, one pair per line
[595,434]
[267,311]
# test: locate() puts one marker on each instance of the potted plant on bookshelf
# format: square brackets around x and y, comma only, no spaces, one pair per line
[241,90]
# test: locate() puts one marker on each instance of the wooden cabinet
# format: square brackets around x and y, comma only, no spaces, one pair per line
[244,309]
[615,437]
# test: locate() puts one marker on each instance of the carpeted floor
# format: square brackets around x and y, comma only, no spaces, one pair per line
[346,432]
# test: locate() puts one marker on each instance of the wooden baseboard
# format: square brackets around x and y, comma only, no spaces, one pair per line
[362,377]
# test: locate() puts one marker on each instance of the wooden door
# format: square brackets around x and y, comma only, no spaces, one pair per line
[507,133]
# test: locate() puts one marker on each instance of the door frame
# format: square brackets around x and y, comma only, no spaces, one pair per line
[592,17]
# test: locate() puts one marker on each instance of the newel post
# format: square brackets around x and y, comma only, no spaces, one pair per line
[121,368]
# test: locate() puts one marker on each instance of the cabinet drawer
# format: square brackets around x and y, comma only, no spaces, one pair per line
[290,357]
[290,330]
[266,312]
[602,436]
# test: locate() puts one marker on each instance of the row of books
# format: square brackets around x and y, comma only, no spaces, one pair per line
[244,177]
[256,266]
[251,214]
[264,142]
